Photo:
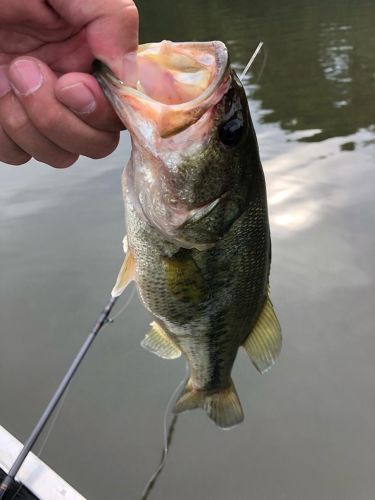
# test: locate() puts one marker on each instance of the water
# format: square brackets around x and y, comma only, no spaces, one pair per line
[309,428]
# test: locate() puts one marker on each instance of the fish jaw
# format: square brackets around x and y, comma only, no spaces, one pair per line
[188,78]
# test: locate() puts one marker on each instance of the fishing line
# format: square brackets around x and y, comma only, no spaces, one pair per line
[130,298]
[170,428]
[60,394]
[56,398]
[167,435]
[52,424]
[247,67]
[17,491]
[265,57]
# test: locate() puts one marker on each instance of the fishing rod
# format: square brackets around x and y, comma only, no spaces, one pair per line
[102,321]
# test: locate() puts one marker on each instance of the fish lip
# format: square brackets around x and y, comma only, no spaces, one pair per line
[113,85]
[107,81]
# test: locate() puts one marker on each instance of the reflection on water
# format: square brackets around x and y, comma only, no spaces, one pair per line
[303,182]
[309,424]
[320,70]
[336,52]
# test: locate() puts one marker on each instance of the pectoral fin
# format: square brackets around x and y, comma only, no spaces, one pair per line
[127,271]
[263,345]
[158,342]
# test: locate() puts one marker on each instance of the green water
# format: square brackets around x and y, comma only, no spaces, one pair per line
[309,430]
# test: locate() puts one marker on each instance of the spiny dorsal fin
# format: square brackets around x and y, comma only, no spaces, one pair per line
[158,342]
[127,271]
[223,407]
[263,345]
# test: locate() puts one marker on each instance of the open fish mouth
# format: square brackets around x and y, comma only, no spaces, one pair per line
[170,106]
[175,84]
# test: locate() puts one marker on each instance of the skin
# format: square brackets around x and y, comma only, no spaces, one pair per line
[51,108]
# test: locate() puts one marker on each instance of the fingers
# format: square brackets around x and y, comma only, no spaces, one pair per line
[111,27]
[31,12]
[9,151]
[70,54]
[81,93]
[43,126]
[27,138]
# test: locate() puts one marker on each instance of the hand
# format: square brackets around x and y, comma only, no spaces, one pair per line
[51,108]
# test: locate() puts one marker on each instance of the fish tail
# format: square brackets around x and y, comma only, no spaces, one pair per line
[223,407]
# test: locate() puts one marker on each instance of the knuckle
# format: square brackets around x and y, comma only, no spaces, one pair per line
[47,121]
[15,123]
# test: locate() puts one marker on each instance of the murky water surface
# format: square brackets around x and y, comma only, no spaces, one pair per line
[309,431]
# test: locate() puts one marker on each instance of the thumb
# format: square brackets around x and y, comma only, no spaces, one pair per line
[81,93]
[111,28]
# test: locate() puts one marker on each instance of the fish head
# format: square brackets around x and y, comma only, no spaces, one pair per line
[194,149]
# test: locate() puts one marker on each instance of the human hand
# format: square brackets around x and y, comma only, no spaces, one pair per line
[51,108]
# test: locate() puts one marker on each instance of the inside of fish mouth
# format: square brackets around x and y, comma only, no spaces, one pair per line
[173,73]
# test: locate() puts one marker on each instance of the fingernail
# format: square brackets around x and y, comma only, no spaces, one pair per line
[25,76]
[4,81]
[78,98]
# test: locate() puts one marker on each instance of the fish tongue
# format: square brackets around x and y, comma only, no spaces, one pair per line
[172,73]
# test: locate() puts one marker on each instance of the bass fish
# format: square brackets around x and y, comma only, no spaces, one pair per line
[198,243]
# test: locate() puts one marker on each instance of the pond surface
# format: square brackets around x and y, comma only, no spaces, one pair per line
[309,430]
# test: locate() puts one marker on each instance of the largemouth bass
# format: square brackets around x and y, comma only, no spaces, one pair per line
[198,243]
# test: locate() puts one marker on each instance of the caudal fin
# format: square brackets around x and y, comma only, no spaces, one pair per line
[223,407]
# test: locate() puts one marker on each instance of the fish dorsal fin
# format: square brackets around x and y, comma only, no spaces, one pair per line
[127,271]
[158,342]
[222,406]
[263,345]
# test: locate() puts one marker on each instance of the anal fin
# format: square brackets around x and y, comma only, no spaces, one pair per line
[223,406]
[127,271]
[158,342]
[263,345]
[189,399]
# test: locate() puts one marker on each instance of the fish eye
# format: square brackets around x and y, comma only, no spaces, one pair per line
[231,131]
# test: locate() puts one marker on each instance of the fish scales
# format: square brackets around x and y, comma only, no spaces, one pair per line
[211,328]
[198,243]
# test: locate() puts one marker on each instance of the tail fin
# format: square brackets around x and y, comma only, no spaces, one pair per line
[223,407]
